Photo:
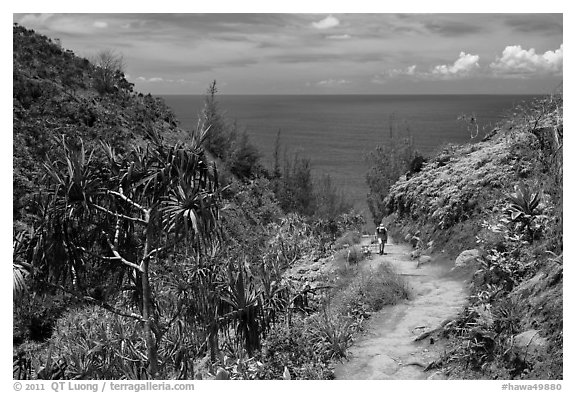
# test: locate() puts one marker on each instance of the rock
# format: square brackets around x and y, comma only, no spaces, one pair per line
[528,345]
[467,257]
[286,374]
[424,259]
[437,375]
[415,254]
[222,374]
[414,241]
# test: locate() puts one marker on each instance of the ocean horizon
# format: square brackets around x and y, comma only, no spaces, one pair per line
[337,132]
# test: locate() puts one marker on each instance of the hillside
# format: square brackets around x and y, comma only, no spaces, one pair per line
[137,255]
[58,94]
[502,199]
[145,251]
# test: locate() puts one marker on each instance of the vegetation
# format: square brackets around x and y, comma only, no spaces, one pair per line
[503,197]
[142,250]
[395,158]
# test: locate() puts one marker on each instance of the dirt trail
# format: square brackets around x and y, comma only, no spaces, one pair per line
[387,348]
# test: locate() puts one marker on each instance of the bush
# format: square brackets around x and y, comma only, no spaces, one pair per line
[292,346]
[350,238]
[369,292]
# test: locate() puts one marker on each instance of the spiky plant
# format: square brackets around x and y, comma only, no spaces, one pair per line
[524,207]
[120,214]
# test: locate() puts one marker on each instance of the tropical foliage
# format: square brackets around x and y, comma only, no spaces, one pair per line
[134,256]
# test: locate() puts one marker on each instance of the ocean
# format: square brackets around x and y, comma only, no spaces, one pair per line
[338,131]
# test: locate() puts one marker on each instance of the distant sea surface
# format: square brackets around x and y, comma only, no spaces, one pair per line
[338,131]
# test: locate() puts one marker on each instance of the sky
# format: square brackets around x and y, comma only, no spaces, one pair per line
[474,53]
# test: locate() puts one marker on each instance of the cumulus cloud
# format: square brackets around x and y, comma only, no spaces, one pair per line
[518,61]
[326,23]
[339,37]
[464,65]
[101,25]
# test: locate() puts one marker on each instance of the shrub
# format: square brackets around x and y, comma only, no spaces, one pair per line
[369,292]
[292,346]
[349,238]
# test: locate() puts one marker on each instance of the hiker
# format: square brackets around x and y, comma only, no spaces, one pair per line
[382,236]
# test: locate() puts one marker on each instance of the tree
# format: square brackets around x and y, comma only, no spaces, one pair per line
[109,66]
[218,141]
[389,161]
[107,214]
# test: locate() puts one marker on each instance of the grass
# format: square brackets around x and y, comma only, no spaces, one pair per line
[369,291]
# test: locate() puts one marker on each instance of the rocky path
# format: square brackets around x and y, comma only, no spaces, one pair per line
[387,349]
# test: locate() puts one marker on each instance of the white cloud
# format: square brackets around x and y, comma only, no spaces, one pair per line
[333,82]
[464,65]
[35,19]
[156,79]
[326,23]
[410,71]
[518,61]
[101,25]
[339,37]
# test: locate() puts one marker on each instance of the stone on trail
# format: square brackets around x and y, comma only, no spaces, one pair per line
[222,374]
[528,345]
[415,254]
[424,259]
[467,257]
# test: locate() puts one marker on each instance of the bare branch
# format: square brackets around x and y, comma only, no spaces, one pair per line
[128,200]
[122,216]
[118,256]
[154,251]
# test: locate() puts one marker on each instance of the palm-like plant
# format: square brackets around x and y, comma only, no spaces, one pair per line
[244,302]
[126,211]
[20,268]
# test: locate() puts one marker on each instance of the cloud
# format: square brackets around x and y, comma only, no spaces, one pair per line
[339,37]
[333,82]
[410,71]
[464,65]
[157,79]
[536,23]
[326,23]
[100,24]
[518,61]
[383,78]
[452,28]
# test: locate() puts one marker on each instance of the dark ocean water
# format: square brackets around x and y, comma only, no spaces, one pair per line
[337,131]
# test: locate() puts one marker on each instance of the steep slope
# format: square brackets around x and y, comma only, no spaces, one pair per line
[57,94]
[499,200]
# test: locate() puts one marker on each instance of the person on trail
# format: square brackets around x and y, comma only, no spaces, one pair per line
[382,236]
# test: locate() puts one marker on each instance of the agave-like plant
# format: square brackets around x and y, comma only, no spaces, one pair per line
[524,201]
[524,207]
